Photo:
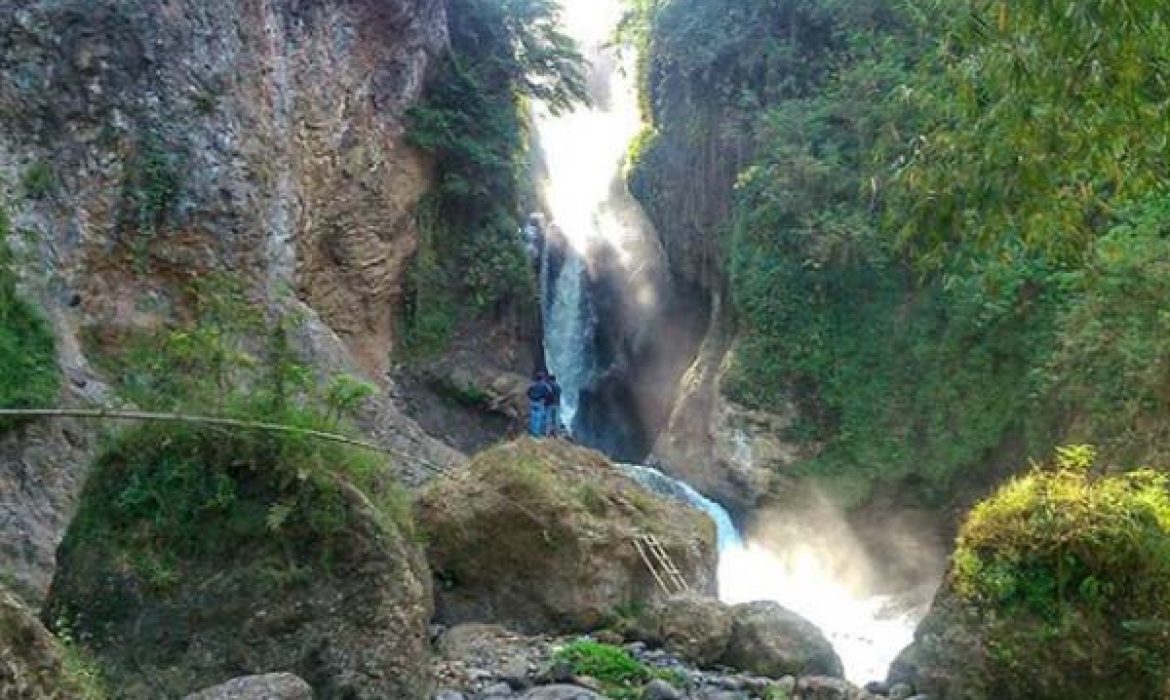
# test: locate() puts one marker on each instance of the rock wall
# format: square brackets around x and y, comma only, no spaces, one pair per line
[144,143]
[733,454]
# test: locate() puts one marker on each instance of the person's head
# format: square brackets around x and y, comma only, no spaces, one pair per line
[539,375]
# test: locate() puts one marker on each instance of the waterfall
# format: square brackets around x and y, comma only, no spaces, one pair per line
[586,200]
[569,335]
[725,531]
[589,208]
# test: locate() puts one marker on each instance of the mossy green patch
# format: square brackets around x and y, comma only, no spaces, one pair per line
[1068,570]
[29,377]
[621,675]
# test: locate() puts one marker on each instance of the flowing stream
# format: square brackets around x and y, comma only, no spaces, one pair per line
[588,205]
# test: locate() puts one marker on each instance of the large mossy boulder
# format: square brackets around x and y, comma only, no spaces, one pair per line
[198,556]
[1059,588]
[540,535]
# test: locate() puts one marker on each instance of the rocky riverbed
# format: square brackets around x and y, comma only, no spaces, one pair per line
[482,662]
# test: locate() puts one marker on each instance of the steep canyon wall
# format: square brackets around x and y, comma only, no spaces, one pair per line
[145,144]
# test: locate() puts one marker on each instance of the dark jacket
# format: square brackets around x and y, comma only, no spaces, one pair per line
[554,395]
[541,391]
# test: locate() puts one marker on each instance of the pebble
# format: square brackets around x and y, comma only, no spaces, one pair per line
[659,689]
[900,691]
[498,690]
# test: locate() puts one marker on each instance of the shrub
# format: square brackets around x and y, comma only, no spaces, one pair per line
[473,119]
[29,377]
[38,180]
[161,494]
[1068,570]
[617,670]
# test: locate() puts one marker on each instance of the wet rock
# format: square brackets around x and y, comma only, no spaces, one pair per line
[448,694]
[659,689]
[769,640]
[824,688]
[271,686]
[561,692]
[695,628]
[497,690]
[900,691]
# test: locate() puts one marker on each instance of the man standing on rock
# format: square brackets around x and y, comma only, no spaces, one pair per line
[539,394]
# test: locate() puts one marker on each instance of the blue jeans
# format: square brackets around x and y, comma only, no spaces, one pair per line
[536,419]
[553,418]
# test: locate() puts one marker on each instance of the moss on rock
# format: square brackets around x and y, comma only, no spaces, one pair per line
[29,377]
[199,555]
[539,534]
[1059,588]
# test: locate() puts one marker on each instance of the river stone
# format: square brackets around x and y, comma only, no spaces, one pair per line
[659,689]
[694,628]
[561,692]
[824,688]
[271,686]
[769,640]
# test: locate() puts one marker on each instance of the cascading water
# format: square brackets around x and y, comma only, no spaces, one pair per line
[865,630]
[583,155]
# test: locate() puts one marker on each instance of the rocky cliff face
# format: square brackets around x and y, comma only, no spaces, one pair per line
[145,144]
[735,454]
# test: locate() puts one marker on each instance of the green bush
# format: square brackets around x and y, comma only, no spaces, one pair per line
[1067,570]
[470,259]
[38,180]
[162,494]
[1110,369]
[29,377]
[618,672]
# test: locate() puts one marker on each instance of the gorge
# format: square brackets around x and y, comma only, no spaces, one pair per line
[819,570]
[859,312]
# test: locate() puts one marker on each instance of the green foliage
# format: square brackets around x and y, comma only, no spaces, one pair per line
[618,672]
[1045,119]
[80,671]
[1072,570]
[38,181]
[28,359]
[152,182]
[1021,330]
[473,120]
[1111,366]
[159,496]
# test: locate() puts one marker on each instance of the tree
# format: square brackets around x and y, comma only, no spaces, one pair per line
[1046,117]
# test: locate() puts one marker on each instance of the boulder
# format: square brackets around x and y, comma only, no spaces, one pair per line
[31,659]
[691,627]
[540,535]
[346,608]
[270,686]
[825,688]
[769,640]
[561,692]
